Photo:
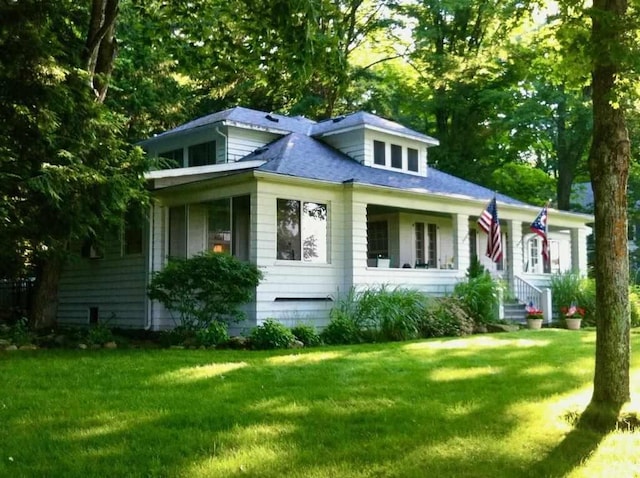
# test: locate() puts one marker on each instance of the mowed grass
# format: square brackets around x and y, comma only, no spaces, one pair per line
[484,406]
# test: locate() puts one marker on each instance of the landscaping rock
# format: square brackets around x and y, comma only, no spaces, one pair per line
[237,342]
[82,346]
[28,347]
[502,328]
[296,344]
[110,345]
[11,347]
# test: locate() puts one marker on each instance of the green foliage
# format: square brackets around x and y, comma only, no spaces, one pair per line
[306,334]
[99,334]
[569,288]
[271,335]
[445,317]
[524,182]
[342,329]
[20,333]
[205,288]
[479,296]
[215,333]
[376,314]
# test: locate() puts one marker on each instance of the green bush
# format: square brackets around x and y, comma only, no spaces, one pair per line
[479,297]
[445,317]
[342,329]
[205,288]
[271,335]
[99,334]
[306,334]
[569,288]
[215,333]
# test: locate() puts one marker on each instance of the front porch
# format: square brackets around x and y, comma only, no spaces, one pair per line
[431,251]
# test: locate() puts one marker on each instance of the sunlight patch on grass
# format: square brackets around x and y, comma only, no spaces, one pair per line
[313,357]
[280,406]
[481,341]
[201,372]
[447,374]
[256,460]
[616,456]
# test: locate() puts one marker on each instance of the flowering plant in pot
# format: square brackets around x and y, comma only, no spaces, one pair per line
[534,316]
[573,316]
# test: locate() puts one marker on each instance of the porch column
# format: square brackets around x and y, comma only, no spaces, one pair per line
[461,241]
[579,251]
[355,238]
[514,250]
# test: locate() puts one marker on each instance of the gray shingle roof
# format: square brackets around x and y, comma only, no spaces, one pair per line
[249,117]
[298,155]
[362,118]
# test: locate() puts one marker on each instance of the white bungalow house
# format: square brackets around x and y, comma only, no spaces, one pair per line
[319,207]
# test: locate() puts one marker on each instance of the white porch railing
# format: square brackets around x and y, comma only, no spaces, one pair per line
[528,293]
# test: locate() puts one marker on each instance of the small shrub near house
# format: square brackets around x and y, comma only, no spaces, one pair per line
[271,334]
[204,289]
[479,295]
[306,334]
[446,317]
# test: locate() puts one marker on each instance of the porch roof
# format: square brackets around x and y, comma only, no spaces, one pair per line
[300,156]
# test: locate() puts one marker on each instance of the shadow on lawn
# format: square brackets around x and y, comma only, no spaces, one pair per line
[343,411]
[590,429]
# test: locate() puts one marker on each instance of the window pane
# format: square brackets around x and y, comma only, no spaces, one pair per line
[314,229]
[288,221]
[178,232]
[412,159]
[377,240]
[378,153]
[240,226]
[219,232]
[175,158]
[432,233]
[419,243]
[396,156]
[202,154]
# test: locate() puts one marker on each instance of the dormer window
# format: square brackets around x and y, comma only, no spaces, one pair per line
[396,156]
[412,160]
[379,153]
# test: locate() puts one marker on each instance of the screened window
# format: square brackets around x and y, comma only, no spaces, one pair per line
[377,239]
[178,232]
[302,231]
[228,226]
[420,244]
[412,159]
[379,153]
[473,244]
[174,159]
[202,154]
[396,156]
[432,237]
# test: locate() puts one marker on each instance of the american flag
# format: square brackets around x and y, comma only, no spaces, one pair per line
[489,223]
[539,226]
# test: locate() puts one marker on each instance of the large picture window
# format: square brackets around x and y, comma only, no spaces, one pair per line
[302,231]
[228,226]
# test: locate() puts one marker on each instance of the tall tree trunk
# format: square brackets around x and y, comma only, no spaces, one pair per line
[609,166]
[45,299]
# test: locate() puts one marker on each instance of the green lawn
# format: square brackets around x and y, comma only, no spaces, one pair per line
[484,406]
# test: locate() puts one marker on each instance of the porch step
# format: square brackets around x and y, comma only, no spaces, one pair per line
[515,312]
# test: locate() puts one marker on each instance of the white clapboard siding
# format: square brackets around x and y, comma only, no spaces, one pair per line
[242,142]
[115,284]
[351,144]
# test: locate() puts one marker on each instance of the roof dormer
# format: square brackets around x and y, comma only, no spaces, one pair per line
[377,142]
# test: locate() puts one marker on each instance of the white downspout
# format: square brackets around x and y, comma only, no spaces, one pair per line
[226,140]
